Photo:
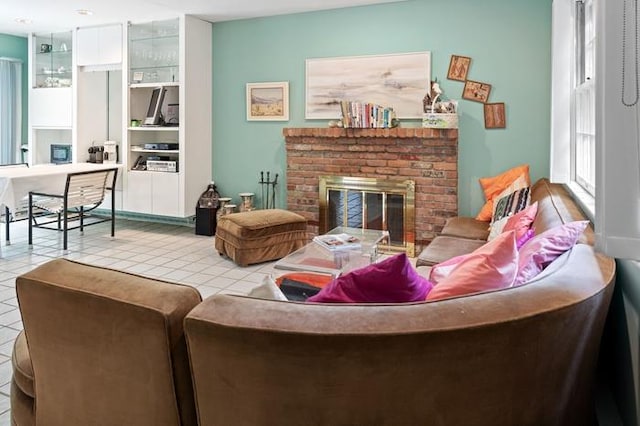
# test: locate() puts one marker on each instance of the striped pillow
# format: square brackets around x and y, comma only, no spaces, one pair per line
[512,203]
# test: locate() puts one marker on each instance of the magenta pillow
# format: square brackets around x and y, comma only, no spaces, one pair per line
[393,280]
[543,249]
[490,267]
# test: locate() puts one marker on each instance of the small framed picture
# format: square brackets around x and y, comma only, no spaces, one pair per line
[458,68]
[268,101]
[494,117]
[476,91]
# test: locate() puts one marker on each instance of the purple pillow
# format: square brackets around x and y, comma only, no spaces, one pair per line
[537,253]
[394,280]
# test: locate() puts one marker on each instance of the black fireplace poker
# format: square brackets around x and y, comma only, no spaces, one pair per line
[268,185]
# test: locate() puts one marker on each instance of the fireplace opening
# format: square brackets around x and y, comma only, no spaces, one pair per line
[369,203]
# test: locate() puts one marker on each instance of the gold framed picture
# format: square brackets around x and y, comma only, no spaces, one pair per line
[476,91]
[268,101]
[494,117]
[458,68]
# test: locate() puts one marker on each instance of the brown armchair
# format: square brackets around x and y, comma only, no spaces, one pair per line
[101,347]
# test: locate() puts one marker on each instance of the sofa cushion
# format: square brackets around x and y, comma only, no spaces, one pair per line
[491,267]
[85,323]
[544,248]
[443,248]
[22,368]
[493,186]
[392,280]
[466,227]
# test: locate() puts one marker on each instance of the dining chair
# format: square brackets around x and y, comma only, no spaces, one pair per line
[83,192]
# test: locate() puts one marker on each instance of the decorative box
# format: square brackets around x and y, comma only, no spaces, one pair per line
[440,120]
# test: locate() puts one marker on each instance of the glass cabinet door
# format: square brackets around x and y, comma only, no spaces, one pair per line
[153,52]
[52,62]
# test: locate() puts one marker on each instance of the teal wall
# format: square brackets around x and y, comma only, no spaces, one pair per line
[509,42]
[16,47]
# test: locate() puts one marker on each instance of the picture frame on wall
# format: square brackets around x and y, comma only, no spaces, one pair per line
[268,101]
[494,116]
[476,91]
[397,81]
[459,68]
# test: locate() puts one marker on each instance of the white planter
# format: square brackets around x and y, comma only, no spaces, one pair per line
[440,121]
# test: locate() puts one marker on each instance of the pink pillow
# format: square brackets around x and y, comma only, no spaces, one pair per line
[490,267]
[442,270]
[521,221]
[543,249]
[394,280]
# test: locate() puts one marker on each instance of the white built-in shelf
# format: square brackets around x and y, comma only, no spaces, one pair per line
[155,128]
[158,84]
[168,151]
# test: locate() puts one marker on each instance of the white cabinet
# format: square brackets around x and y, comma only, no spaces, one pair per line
[174,55]
[51,95]
[51,107]
[99,45]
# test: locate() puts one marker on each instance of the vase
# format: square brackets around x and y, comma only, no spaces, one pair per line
[247,201]
[223,202]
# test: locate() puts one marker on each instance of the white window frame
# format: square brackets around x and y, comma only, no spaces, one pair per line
[583,126]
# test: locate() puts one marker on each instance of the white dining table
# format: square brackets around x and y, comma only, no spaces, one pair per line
[17,182]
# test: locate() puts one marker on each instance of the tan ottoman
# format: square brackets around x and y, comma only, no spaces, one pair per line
[260,235]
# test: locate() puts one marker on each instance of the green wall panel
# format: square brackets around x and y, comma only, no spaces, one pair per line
[16,47]
[508,40]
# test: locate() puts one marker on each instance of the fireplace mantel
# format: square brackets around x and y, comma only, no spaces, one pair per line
[395,133]
[427,156]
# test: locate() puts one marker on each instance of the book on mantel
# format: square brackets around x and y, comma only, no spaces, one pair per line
[335,242]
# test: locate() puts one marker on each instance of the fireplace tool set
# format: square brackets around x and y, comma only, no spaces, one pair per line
[268,186]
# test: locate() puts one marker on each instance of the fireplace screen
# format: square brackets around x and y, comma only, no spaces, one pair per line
[370,203]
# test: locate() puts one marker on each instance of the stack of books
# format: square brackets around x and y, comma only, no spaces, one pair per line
[366,116]
[334,242]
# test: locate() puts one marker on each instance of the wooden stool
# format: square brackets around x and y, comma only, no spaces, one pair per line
[260,235]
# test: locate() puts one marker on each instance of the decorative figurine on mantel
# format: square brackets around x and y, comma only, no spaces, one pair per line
[443,114]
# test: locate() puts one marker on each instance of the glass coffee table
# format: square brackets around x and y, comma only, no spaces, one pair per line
[315,258]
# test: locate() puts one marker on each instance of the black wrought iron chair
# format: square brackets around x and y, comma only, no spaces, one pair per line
[83,192]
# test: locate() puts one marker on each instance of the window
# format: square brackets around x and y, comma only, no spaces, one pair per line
[584,93]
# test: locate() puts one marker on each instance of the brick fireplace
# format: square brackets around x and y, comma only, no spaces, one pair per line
[427,156]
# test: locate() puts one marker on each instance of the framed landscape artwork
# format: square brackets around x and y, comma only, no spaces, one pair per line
[494,117]
[268,101]
[458,68]
[398,80]
[476,91]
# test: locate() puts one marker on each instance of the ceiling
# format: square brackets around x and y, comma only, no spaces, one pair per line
[61,15]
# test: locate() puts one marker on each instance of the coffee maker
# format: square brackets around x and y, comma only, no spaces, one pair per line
[95,154]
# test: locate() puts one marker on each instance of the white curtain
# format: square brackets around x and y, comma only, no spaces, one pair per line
[561,59]
[10,110]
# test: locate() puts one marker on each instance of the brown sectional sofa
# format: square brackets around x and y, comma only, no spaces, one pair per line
[462,235]
[520,356]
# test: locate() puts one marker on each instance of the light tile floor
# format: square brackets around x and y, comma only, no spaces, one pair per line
[170,252]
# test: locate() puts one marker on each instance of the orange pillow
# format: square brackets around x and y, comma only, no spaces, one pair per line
[493,186]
